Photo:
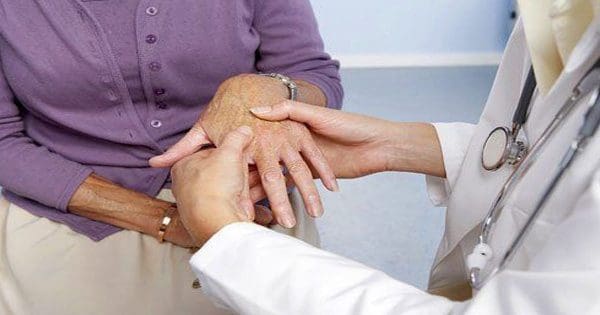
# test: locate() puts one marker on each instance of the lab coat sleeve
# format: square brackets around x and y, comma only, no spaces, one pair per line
[254,270]
[454,139]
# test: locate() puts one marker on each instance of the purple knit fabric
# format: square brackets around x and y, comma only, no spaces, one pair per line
[103,85]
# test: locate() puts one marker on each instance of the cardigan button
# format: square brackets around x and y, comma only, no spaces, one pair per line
[155,66]
[151,39]
[152,11]
[156,123]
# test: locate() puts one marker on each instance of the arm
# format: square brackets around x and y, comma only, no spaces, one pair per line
[32,171]
[282,275]
[297,278]
[100,200]
[357,145]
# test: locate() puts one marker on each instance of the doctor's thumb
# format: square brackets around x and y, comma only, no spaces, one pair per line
[237,140]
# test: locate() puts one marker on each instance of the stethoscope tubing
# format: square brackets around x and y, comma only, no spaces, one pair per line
[591,123]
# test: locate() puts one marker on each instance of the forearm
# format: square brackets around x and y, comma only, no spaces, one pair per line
[413,147]
[101,200]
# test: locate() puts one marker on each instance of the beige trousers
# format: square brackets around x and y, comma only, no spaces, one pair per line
[46,268]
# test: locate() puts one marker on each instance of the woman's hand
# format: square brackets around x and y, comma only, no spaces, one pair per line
[357,145]
[286,142]
[205,209]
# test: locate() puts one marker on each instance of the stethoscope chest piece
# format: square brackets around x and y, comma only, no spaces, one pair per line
[501,147]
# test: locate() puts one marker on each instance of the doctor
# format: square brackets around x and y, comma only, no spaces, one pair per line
[492,195]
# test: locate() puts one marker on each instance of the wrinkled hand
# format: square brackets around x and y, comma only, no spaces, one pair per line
[355,145]
[205,209]
[286,142]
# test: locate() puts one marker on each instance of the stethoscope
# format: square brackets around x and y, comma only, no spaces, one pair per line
[503,147]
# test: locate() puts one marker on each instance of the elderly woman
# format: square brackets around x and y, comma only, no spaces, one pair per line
[91,90]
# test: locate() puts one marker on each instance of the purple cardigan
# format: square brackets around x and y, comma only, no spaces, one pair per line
[65,108]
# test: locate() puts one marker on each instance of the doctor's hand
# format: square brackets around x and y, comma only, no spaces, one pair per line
[205,209]
[357,145]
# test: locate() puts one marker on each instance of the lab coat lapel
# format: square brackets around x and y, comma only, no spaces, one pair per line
[475,187]
[471,196]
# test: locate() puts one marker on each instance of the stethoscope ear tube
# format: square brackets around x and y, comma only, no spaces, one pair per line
[520,115]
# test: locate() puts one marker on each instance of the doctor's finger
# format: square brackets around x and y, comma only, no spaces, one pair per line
[302,176]
[273,183]
[245,202]
[300,112]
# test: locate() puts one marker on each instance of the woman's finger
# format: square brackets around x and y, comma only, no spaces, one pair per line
[273,182]
[257,192]
[317,159]
[303,179]
[195,139]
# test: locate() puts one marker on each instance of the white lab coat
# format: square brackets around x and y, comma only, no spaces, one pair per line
[253,270]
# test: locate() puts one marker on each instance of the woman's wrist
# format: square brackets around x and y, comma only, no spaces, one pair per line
[415,148]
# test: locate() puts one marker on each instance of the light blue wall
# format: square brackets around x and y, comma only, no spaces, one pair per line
[413,26]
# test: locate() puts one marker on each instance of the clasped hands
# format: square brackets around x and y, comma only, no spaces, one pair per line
[217,187]
[281,145]
[353,144]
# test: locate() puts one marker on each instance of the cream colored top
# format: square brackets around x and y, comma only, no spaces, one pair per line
[553,28]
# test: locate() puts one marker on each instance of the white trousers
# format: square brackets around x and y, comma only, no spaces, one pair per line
[46,268]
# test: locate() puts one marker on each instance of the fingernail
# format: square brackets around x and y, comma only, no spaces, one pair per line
[315,205]
[288,221]
[261,109]
[331,184]
[245,130]
[336,186]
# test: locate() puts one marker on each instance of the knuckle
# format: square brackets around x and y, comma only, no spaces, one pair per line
[286,105]
[296,167]
[312,153]
[271,174]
